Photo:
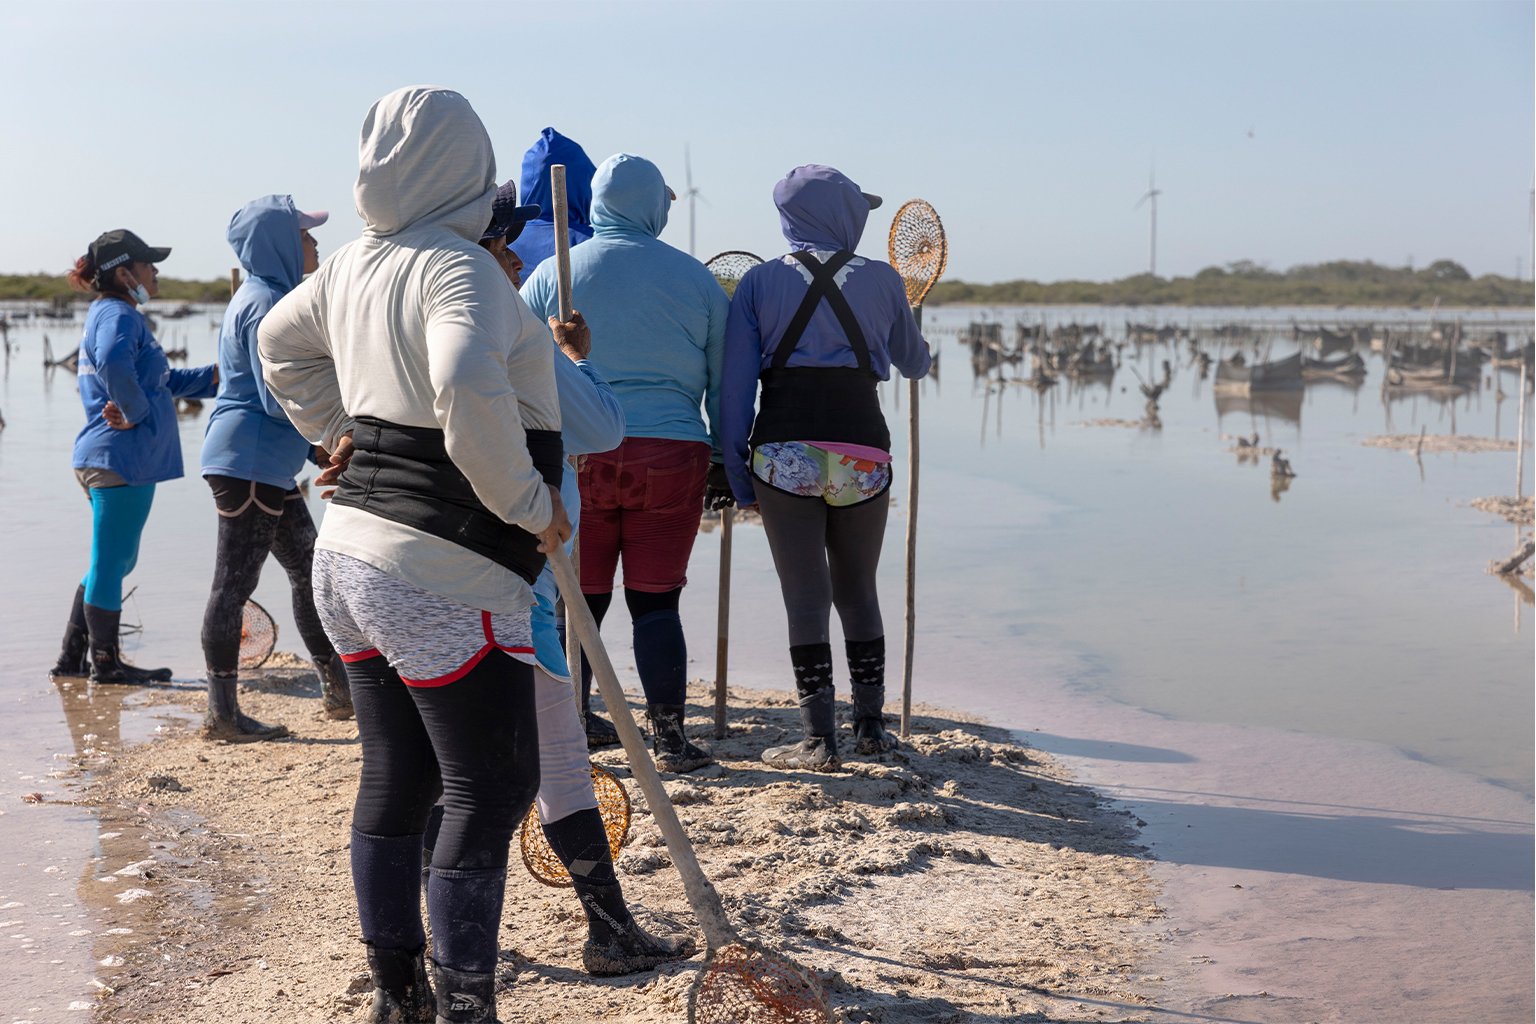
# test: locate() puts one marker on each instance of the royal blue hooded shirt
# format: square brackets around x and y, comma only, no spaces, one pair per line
[249,437]
[657,315]
[121,361]
[536,243]
[821,212]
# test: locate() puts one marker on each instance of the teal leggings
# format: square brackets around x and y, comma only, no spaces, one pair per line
[118,515]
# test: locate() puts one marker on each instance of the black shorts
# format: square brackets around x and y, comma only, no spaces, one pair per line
[234,496]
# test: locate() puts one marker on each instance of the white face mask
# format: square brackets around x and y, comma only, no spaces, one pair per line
[138,291]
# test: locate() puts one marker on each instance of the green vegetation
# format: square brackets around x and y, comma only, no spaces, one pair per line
[1341,283]
[55,289]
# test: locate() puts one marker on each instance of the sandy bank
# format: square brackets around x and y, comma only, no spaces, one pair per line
[963,878]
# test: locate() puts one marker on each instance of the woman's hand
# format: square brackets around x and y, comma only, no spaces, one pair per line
[574,336]
[559,529]
[335,464]
[114,416]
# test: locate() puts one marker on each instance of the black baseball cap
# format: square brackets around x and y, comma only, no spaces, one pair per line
[507,218]
[115,248]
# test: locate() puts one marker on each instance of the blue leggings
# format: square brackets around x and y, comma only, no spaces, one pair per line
[118,515]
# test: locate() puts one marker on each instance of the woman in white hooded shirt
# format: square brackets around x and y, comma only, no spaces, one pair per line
[409,344]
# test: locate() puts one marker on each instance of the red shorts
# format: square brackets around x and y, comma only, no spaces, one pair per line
[641,502]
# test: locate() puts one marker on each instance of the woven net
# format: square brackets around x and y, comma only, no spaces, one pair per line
[917,249]
[258,635]
[612,804]
[746,984]
[729,266]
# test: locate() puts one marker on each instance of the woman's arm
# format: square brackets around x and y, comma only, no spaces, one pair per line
[742,358]
[296,364]
[199,383]
[114,358]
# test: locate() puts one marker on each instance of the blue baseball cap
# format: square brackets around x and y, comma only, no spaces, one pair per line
[507,218]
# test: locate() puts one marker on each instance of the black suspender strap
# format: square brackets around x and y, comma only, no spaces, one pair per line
[823,286]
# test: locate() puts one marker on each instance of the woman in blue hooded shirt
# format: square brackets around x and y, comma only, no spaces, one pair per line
[250,456]
[129,442]
[820,328]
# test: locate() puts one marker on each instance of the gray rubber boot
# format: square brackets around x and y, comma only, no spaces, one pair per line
[401,992]
[669,743]
[866,668]
[817,752]
[335,690]
[225,721]
[463,997]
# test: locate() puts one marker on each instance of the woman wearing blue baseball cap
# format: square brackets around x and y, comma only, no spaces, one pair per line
[128,445]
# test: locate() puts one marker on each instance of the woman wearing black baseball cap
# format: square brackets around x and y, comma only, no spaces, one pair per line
[128,445]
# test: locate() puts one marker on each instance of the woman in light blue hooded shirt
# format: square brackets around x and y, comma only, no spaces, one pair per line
[251,455]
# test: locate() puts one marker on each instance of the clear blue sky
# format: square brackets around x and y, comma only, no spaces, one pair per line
[1380,130]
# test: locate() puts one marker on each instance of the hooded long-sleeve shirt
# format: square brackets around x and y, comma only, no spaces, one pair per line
[657,315]
[820,212]
[249,436]
[536,242]
[414,323]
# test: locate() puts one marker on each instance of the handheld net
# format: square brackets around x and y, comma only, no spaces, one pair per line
[258,635]
[612,804]
[729,266]
[742,983]
[917,248]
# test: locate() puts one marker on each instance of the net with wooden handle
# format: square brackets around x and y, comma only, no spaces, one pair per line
[258,635]
[612,804]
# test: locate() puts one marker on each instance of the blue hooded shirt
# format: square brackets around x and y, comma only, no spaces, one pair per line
[249,436]
[121,361]
[820,212]
[657,315]
[536,243]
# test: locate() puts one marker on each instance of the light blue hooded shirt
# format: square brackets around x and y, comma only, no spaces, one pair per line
[249,436]
[657,315]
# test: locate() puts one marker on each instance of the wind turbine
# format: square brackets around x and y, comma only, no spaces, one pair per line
[691,194]
[1152,193]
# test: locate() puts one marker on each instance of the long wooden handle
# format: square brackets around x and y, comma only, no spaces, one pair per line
[562,239]
[701,895]
[910,620]
[723,622]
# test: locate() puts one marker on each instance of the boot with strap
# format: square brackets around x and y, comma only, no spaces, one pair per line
[817,752]
[106,656]
[401,992]
[225,721]
[335,690]
[866,668]
[74,657]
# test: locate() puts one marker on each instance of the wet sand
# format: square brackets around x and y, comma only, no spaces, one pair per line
[963,877]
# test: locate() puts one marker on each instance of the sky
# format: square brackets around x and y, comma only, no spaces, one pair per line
[1282,133]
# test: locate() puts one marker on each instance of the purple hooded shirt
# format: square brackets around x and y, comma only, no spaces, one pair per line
[821,212]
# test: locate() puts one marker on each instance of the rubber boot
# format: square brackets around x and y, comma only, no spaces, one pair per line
[106,657]
[74,657]
[817,751]
[225,721]
[866,667]
[335,690]
[614,948]
[673,751]
[463,997]
[401,992]
[600,731]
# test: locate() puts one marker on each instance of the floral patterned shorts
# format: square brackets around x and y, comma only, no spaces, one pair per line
[796,467]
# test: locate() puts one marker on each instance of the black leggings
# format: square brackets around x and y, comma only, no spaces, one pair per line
[475,741]
[826,556]
[256,520]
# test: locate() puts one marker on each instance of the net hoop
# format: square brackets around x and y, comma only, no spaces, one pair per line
[258,635]
[745,983]
[730,266]
[612,803]
[918,249]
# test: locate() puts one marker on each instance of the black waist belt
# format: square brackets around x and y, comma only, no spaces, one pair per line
[809,403]
[404,474]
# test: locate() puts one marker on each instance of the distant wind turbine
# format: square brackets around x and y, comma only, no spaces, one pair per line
[692,195]
[1152,193]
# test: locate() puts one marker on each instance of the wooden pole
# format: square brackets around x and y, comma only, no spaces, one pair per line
[723,622]
[563,289]
[1520,439]
[234,281]
[910,623]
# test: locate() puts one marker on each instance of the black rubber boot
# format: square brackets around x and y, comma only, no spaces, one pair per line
[615,948]
[463,997]
[670,743]
[866,667]
[107,664]
[225,721]
[335,690]
[600,731]
[74,657]
[401,992]
[817,752]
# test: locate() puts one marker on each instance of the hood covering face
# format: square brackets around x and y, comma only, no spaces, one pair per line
[629,194]
[820,208]
[424,158]
[265,236]
[550,149]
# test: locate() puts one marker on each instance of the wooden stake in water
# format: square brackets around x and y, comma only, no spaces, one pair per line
[723,622]
[1520,440]
[909,625]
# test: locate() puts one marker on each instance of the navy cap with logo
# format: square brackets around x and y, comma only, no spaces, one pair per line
[507,218]
[120,247]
